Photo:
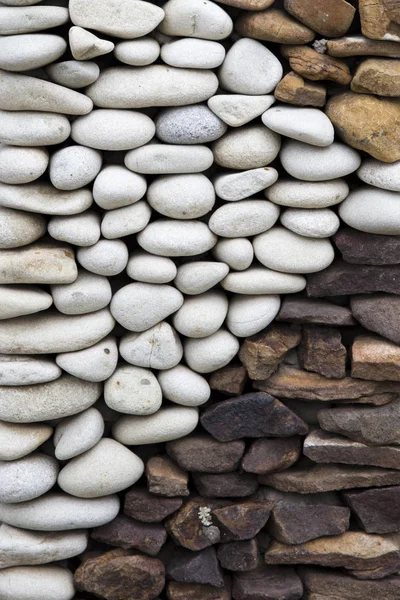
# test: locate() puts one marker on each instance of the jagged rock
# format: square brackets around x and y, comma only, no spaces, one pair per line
[239,556]
[185,526]
[271,583]
[126,533]
[380,19]
[320,312]
[377,510]
[225,485]
[268,455]
[293,89]
[375,358]
[165,478]
[321,351]
[311,65]
[195,567]
[199,452]
[229,380]
[241,521]
[359,247]
[144,506]
[379,313]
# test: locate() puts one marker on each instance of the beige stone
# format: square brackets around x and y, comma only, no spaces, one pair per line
[375,358]
[248,4]
[38,263]
[293,89]
[358,45]
[273,25]
[310,64]
[380,19]
[377,76]
[330,18]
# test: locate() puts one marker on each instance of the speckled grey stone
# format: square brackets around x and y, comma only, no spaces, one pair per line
[193,124]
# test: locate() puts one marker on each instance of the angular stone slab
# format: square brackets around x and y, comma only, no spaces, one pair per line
[358,247]
[320,312]
[275,583]
[321,351]
[126,533]
[38,263]
[375,358]
[377,510]
[320,583]
[199,452]
[379,313]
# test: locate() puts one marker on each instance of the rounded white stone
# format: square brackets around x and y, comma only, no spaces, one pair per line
[107,257]
[37,18]
[127,220]
[163,159]
[308,125]
[181,196]
[133,390]
[372,210]
[18,300]
[139,306]
[304,194]
[238,109]
[22,165]
[237,186]
[60,512]
[115,186]
[37,583]
[248,315]
[73,74]
[165,425]
[44,198]
[85,45]
[81,230]
[30,128]
[379,174]
[18,440]
[27,370]
[138,53]
[191,18]
[30,51]
[244,218]
[105,469]
[88,293]
[201,315]
[150,269]
[18,228]
[247,148]
[198,277]
[259,280]
[314,223]
[156,348]
[193,53]
[96,363]
[183,386]
[193,124]
[210,353]
[27,478]
[113,129]
[310,163]
[40,262]
[250,68]
[74,167]
[176,238]
[77,434]
[237,253]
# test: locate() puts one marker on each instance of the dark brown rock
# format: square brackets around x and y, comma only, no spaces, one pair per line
[195,567]
[330,18]
[377,509]
[241,521]
[199,452]
[380,19]
[239,556]
[229,380]
[225,485]
[176,590]
[359,247]
[362,46]
[262,353]
[126,533]
[293,89]
[143,506]
[320,312]
[267,583]
[375,358]
[321,351]
[273,25]
[267,455]
[251,415]
[185,526]
[115,574]
[379,313]
[166,478]
[310,64]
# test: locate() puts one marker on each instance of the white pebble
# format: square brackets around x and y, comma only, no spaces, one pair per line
[38,263]
[44,198]
[96,363]
[176,238]
[210,353]
[85,45]
[150,269]
[201,315]
[77,434]
[26,370]
[372,210]
[81,230]
[237,186]
[379,174]
[18,228]
[40,582]
[181,196]
[18,440]
[304,194]
[22,165]
[29,128]
[165,159]
[198,277]
[183,386]
[259,280]
[193,53]
[28,20]
[107,257]
[133,390]
[27,478]
[238,109]
[247,148]
[74,167]
[308,125]
[244,218]
[30,51]
[73,74]
[247,315]
[196,18]
[237,253]
[124,221]
[88,293]
[138,53]
[312,223]
[18,300]
[156,348]
[193,124]
[115,186]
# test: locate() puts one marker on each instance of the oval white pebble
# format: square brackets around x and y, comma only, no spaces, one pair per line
[44,198]
[150,269]
[127,220]
[30,51]
[106,257]
[372,210]
[199,276]
[77,434]
[156,348]
[18,440]
[22,165]
[201,315]
[81,230]
[304,194]
[379,174]
[18,228]
[247,148]
[88,293]
[133,390]
[210,353]
[40,582]
[138,53]
[193,53]
[74,167]
[14,20]
[115,186]
[247,315]
[27,478]
[73,74]
[191,18]
[259,280]
[244,218]
[237,186]
[184,386]
[164,159]
[27,370]
[181,196]
[176,238]
[237,253]
[96,363]
[19,300]
[312,223]
[30,128]
[308,125]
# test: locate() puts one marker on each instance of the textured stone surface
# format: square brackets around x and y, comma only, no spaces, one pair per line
[185,526]
[373,357]
[331,18]
[311,65]
[293,89]
[165,478]
[203,453]
[321,351]
[377,76]
[379,313]
[273,25]
[195,567]
[274,583]
[239,556]
[241,521]
[320,583]
[229,380]
[126,533]
[363,248]
[176,590]
[380,20]
[144,506]
[268,455]
[320,312]
[377,510]
[225,485]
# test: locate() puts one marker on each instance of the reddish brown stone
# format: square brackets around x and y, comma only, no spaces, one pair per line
[293,89]
[239,556]
[330,18]
[229,380]
[267,583]
[241,521]
[195,567]
[379,313]
[165,478]
[321,351]
[267,455]
[176,590]
[362,46]
[273,25]
[359,247]
[377,509]
[126,533]
[185,526]
[310,64]
[199,452]
[320,312]
[143,506]
[225,485]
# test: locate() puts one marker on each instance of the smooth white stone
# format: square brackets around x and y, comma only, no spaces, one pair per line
[244,218]
[237,186]
[44,198]
[14,19]
[26,370]
[156,348]
[149,268]
[139,306]
[163,159]
[124,19]
[17,440]
[30,51]
[18,300]
[210,353]
[19,2]
[310,163]
[248,315]
[52,332]
[115,186]
[107,257]
[193,124]
[36,583]
[250,68]
[201,315]
[113,129]
[372,210]
[18,228]
[193,54]
[27,478]
[22,547]
[302,194]
[81,230]
[77,434]
[105,469]
[196,18]
[74,167]
[88,293]
[138,53]
[85,45]
[381,175]
[176,238]
[312,223]
[183,386]
[237,253]
[308,125]
[259,280]
[22,165]
[127,220]
[38,263]
[73,74]
[284,251]
[133,390]
[155,85]
[29,128]
[165,425]
[238,109]
[247,148]
[58,512]
[181,196]
[96,363]
[198,277]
